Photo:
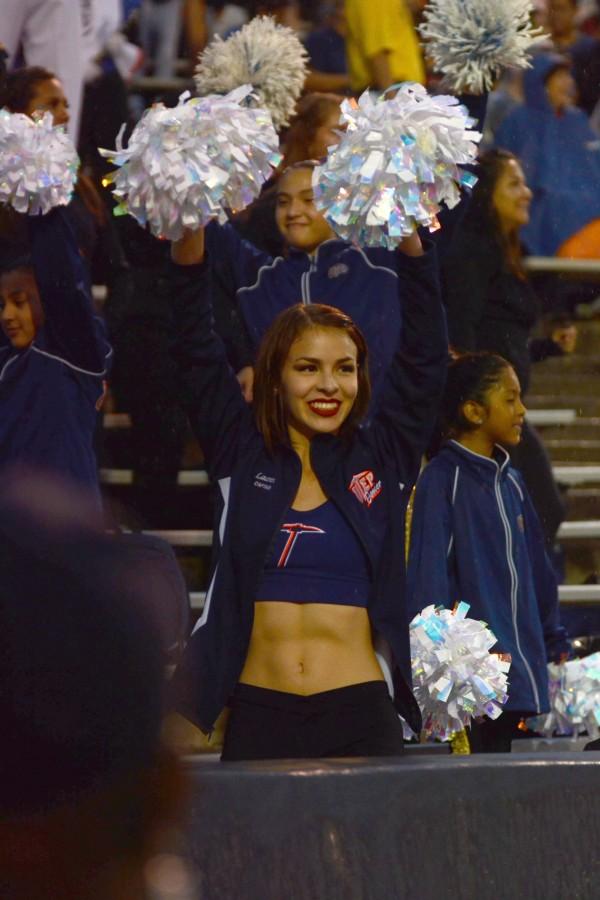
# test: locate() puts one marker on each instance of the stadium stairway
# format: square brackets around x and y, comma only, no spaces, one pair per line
[574,446]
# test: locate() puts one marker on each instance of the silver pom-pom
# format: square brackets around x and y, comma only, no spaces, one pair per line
[266,55]
[186,165]
[38,163]
[574,689]
[396,163]
[472,41]
[455,677]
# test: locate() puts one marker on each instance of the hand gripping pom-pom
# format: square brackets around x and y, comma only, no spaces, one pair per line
[38,163]
[574,689]
[455,677]
[396,163]
[186,165]
[266,55]
[472,41]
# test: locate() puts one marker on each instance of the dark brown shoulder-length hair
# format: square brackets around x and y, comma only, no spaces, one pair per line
[269,408]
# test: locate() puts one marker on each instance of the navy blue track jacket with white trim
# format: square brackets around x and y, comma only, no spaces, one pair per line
[369,478]
[49,392]
[476,538]
[362,282]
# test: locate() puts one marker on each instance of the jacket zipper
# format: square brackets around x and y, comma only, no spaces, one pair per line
[514,586]
[305,280]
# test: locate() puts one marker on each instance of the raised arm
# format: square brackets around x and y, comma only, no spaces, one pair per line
[72,331]
[466,282]
[415,380]
[211,393]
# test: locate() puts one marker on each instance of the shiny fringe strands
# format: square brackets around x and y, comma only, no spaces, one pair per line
[455,677]
[472,41]
[38,163]
[186,165]
[267,56]
[397,162]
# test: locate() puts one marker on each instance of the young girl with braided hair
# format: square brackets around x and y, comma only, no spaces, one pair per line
[476,537]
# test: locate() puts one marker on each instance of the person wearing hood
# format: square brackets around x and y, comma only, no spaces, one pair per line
[560,157]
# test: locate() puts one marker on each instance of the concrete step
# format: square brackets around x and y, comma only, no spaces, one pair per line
[572,451]
[562,385]
[569,474]
[581,428]
[583,503]
[581,363]
[586,405]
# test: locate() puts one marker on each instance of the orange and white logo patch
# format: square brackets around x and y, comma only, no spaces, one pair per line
[364,487]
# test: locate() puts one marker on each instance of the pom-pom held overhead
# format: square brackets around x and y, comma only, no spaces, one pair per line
[574,689]
[472,41]
[396,163]
[38,163]
[268,56]
[455,677]
[186,165]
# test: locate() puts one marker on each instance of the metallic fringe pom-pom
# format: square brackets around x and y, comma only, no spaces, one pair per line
[574,689]
[268,56]
[398,160]
[186,165]
[455,677]
[38,163]
[472,41]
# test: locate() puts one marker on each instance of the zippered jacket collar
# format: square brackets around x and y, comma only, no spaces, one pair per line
[327,250]
[488,468]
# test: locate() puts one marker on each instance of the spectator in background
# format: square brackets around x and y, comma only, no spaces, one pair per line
[224,18]
[312,131]
[285,12]
[560,156]
[111,61]
[89,796]
[49,34]
[32,90]
[582,50]
[326,48]
[492,306]
[381,44]
[160,23]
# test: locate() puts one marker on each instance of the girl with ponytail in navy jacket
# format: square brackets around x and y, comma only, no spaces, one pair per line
[308,578]
[476,538]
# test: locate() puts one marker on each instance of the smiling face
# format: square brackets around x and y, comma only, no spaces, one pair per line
[48,95]
[504,412]
[20,307]
[298,219]
[511,197]
[319,382]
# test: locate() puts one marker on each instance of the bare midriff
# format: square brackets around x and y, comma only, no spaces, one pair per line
[306,648]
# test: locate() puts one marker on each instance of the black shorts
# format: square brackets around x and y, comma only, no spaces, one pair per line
[359,720]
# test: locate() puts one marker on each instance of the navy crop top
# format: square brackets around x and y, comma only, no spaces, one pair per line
[316,558]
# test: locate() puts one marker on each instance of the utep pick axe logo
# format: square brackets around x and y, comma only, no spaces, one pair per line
[364,487]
